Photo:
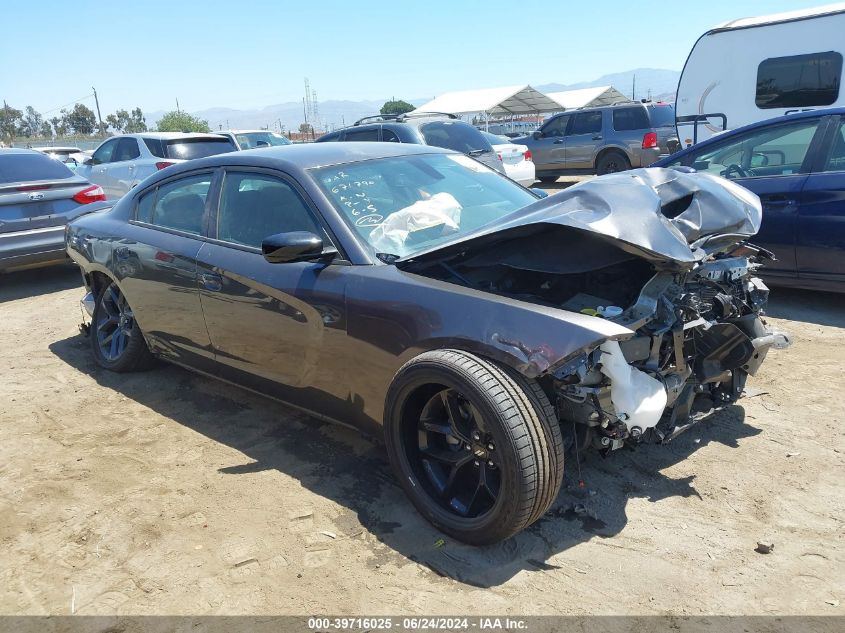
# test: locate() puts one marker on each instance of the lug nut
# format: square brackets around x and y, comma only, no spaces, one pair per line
[476,436]
[490,463]
[475,463]
[467,447]
[491,447]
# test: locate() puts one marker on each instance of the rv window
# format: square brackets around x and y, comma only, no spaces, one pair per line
[799,81]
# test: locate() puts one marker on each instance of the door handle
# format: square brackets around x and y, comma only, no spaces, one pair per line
[597,138]
[559,142]
[212,281]
[778,201]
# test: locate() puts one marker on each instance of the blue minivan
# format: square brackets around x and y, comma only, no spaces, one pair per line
[796,164]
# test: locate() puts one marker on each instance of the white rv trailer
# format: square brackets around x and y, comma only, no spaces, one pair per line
[753,69]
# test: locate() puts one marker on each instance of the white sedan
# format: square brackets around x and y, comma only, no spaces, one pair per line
[519,165]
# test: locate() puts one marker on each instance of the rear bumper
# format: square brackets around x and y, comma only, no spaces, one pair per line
[523,173]
[35,247]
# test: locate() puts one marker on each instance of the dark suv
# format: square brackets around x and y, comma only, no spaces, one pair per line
[603,140]
[423,128]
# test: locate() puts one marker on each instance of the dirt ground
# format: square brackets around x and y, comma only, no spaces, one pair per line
[169,493]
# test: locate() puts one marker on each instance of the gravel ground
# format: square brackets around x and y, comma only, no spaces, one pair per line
[169,493]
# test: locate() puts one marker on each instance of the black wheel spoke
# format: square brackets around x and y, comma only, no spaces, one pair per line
[454,413]
[108,322]
[448,457]
[437,426]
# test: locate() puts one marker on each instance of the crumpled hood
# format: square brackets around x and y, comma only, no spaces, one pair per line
[654,213]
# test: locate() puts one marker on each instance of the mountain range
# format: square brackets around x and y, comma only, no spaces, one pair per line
[659,83]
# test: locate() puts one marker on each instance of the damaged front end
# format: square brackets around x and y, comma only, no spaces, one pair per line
[660,252]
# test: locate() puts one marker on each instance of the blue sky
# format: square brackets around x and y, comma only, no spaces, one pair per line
[251,53]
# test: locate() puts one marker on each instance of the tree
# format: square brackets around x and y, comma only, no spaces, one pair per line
[81,119]
[30,123]
[59,125]
[137,122]
[306,128]
[396,107]
[10,122]
[46,130]
[175,121]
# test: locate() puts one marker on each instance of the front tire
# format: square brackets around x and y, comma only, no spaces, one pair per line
[116,339]
[476,447]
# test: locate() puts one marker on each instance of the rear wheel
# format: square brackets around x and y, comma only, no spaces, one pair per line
[611,162]
[477,449]
[116,339]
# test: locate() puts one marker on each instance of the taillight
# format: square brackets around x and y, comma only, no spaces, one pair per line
[94,193]
[499,156]
[649,140]
[527,155]
[163,163]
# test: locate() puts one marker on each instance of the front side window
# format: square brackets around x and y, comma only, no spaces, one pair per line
[403,204]
[256,206]
[771,151]
[586,123]
[799,81]
[178,205]
[104,152]
[555,127]
[127,149]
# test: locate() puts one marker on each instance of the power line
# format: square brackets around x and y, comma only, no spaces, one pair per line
[68,104]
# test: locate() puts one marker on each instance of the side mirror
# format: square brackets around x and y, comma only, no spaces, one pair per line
[296,246]
[540,193]
[537,135]
[89,161]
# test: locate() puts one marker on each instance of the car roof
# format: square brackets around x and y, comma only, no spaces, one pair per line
[245,131]
[303,156]
[797,116]
[58,148]
[165,136]
[19,150]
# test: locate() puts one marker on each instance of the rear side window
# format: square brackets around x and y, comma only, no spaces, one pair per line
[389,136]
[29,167]
[630,119]
[326,138]
[454,135]
[799,81]
[586,123]
[836,158]
[362,135]
[255,206]
[179,205]
[156,147]
[188,149]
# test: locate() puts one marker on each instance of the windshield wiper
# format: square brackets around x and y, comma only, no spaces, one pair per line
[477,152]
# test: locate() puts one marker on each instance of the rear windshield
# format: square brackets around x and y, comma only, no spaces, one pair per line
[662,116]
[455,135]
[251,140]
[188,149]
[29,167]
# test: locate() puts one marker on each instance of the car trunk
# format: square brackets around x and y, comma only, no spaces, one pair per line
[40,204]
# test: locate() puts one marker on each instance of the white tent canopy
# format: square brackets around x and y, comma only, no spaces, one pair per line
[588,97]
[506,100]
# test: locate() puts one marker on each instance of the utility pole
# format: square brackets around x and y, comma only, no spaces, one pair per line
[634,88]
[177,105]
[99,117]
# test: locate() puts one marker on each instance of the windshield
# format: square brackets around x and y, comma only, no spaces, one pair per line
[405,204]
[250,140]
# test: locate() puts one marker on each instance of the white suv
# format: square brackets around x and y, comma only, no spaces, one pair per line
[121,162]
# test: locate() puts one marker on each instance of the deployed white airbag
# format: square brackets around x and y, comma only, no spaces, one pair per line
[441,209]
[638,398]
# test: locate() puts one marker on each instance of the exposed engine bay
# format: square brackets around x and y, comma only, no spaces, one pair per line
[694,315]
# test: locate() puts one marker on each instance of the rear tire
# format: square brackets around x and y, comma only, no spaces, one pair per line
[612,162]
[116,339]
[476,447]
[547,179]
